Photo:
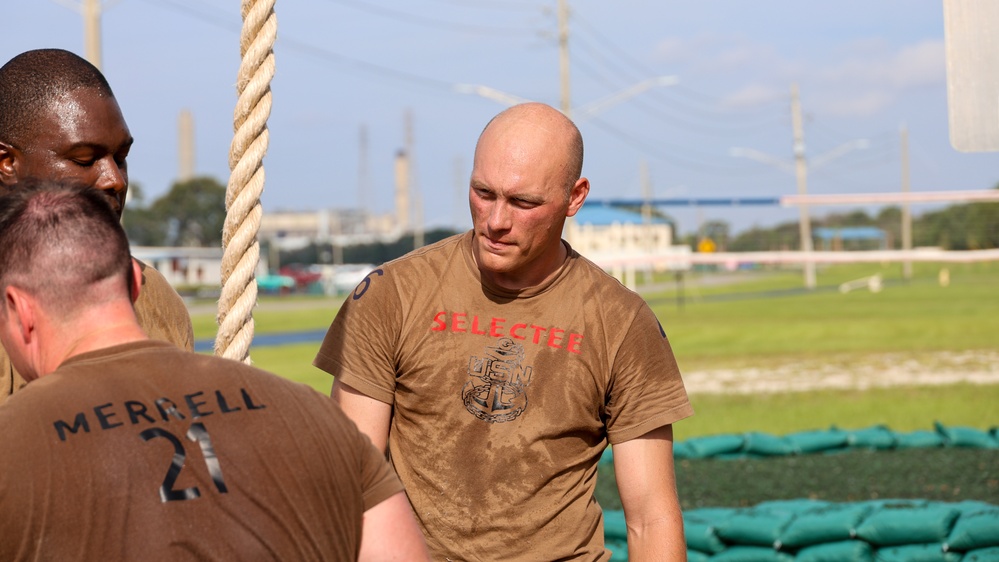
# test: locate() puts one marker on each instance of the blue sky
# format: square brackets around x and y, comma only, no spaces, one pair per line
[864,68]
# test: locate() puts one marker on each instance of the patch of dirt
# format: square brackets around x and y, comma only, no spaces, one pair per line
[858,372]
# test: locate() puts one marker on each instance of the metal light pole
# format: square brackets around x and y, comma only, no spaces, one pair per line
[800,167]
[801,174]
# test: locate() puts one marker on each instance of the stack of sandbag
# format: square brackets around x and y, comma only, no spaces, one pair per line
[819,531]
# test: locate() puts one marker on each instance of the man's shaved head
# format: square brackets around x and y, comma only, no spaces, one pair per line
[547,123]
[31,81]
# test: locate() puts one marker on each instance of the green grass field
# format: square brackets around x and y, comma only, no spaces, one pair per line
[764,319]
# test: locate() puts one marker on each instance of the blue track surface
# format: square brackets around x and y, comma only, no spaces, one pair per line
[264,340]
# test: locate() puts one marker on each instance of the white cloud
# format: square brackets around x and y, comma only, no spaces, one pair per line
[859,78]
[874,76]
[754,94]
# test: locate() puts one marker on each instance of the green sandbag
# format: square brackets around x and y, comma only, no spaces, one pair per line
[806,442]
[754,527]
[974,530]
[794,506]
[712,515]
[990,554]
[959,436]
[702,537]
[682,450]
[607,457]
[619,550]
[694,556]
[614,526]
[765,445]
[916,553]
[826,524]
[713,445]
[891,526]
[854,551]
[920,438]
[751,554]
[874,437]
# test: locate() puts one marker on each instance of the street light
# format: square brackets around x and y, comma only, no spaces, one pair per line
[593,108]
[800,167]
[585,111]
[489,93]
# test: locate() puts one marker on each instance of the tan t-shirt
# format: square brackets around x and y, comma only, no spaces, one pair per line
[145,452]
[504,401]
[160,311]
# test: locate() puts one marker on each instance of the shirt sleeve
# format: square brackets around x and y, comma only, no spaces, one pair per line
[161,312]
[647,391]
[379,479]
[360,346]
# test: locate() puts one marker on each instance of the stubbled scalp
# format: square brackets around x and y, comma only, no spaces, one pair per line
[61,243]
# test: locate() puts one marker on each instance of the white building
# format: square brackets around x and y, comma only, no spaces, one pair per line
[623,242]
[188,266]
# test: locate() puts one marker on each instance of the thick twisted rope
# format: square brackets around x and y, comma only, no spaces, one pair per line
[241,251]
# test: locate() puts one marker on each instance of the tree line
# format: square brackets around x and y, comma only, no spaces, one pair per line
[192,213]
[968,226]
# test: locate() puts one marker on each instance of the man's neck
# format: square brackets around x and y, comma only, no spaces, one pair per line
[98,329]
[519,281]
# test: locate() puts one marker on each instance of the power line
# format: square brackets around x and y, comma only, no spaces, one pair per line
[495,5]
[656,151]
[314,51]
[417,19]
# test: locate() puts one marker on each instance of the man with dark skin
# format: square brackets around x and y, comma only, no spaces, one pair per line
[60,121]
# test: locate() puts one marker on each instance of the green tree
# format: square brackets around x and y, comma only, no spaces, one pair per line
[141,225]
[192,213]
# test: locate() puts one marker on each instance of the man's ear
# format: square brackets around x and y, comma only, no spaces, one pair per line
[135,281]
[19,310]
[8,164]
[577,195]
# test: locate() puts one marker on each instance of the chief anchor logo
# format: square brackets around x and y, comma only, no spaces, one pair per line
[499,393]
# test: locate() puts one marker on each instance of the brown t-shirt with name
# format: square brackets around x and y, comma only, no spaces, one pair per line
[160,311]
[142,451]
[504,401]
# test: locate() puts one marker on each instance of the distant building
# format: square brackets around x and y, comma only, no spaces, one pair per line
[597,230]
[188,266]
[292,230]
[852,238]
[623,241]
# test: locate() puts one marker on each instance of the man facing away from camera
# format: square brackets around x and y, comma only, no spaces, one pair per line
[125,448]
[495,366]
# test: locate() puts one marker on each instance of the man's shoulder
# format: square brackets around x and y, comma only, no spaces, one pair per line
[161,312]
[597,279]
[432,257]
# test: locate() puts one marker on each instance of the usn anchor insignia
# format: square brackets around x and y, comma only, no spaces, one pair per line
[500,393]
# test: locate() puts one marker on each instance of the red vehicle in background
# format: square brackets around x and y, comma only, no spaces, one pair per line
[304,275]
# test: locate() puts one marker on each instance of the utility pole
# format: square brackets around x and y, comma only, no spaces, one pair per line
[563,58]
[91,10]
[906,211]
[801,172]
[647,240]
[185,136]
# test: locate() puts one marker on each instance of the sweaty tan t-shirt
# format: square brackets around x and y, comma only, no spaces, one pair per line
[504,401]
[145,452]
[160,311]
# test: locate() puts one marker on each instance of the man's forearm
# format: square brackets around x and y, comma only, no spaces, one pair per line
[657,541]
